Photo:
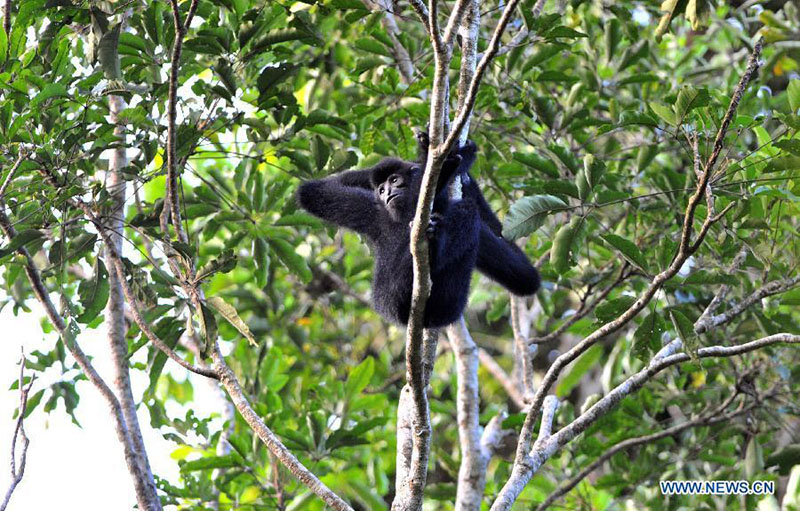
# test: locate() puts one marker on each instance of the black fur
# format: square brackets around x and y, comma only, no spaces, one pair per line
[379,203]
[498,258]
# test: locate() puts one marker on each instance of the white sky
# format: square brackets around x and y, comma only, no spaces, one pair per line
[68,467]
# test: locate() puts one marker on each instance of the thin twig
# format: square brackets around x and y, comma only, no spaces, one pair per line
[18,471]
[7,181]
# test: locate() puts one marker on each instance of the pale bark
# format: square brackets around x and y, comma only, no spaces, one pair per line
[115,310]
[472,472]
[708,321]
[666,357]
[524,351]
[401,56]
[709,418]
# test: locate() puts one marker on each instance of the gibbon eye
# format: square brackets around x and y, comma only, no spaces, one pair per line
[393,179]
[414,169]
[380,190]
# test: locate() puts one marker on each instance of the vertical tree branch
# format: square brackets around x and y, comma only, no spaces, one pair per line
[115,311]
[401,56]
[472,472]
[523,349]
[172,200]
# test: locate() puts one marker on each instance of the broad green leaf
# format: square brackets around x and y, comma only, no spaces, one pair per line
[528,214]
[647,337]
[93,293]
[578,370]
[539,163]
[213,462]
[684,328]
[793,93]
[612,35]
[563,245]
[360,377]
[783,163]
[663,111]
[51,90]
[261,258]
[274,37]
[108,53]
[611,309]
[291,259]
[20,240]
[627,248]
[689,98]
[230,314]
[789,145]
[208,325]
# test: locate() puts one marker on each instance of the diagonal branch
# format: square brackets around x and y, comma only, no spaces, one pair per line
[684,251]
[706,322]
[273,443]
[533,460]
[67,335]
[709,418]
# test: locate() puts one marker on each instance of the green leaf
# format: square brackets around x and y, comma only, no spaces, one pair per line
[611,309]
[51,90]
[564,245]
[222,264]
[169,330]
[539,163]
[528,214]
[556,76]
[581,366]
[213,462]
[261,257]
[683,326]
[689,98]
[789,145]
[19,241]
[627,248]
[274,37]
[108,53]
[360,377]
[230,314]
[293,261]
[793,94]
[93,293]
[783,163]
[663,111]
[613,35]
[753,459]
[271,76]
[647,337]
[208,324]
[372,46]
[321,152]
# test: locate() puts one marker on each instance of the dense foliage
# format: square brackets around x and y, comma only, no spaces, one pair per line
[584,132]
